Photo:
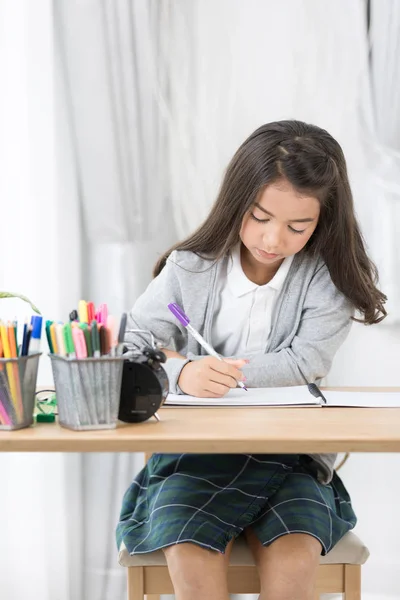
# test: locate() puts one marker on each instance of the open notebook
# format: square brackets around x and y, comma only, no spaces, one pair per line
[290,396]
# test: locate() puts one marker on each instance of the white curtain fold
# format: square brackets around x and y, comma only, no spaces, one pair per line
[107,50]
[233,66]
[380,113]
[112,145]
[106,478]
[34,558]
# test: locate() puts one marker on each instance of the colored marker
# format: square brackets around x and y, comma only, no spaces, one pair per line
[34,344]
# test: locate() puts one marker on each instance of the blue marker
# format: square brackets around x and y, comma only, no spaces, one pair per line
[34,344]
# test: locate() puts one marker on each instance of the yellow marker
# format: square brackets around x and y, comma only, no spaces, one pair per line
[83,311]
[53,338]
[60,339]
[10,372]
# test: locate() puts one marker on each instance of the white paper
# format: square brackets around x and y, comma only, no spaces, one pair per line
[282,396]
[363,399]
[290,396]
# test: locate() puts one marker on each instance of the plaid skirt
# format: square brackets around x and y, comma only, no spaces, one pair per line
[208,499]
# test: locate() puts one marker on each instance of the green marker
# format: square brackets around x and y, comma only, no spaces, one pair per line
[68,341]
[48,335]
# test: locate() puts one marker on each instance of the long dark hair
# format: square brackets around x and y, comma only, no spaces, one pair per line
[312,161]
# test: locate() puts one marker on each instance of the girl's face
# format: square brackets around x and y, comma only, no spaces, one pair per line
[279,224]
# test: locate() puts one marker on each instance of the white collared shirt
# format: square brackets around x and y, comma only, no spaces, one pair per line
[243,309]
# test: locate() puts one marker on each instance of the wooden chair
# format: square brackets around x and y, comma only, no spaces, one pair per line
[339,571]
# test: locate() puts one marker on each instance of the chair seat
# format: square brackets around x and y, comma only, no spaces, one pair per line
[349,550]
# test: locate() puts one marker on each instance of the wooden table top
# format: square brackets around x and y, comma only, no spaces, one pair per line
[233,429]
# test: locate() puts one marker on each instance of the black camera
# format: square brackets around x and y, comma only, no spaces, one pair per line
[144,384]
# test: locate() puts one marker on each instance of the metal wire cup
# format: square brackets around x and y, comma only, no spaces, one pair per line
[18,378]
[87,391]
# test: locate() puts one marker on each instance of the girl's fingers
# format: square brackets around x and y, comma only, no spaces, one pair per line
[226,380]
[216,389]
[223,368]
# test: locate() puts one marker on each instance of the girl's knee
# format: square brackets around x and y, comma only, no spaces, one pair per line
[194,568]
[289,563]
[296,553]
[298,544]
[294,556]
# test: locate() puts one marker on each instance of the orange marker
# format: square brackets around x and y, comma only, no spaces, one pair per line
[12,341]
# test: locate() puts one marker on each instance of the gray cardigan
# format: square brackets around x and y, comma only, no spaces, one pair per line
[310,321]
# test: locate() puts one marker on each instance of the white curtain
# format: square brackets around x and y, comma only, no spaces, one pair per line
[233,67]
[380,110]
[111,139]
[107,50]
[39,242]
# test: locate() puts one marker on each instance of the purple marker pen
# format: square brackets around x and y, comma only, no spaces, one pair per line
[184,320]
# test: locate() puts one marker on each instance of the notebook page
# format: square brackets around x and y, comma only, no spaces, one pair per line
[282,396]
[363,399]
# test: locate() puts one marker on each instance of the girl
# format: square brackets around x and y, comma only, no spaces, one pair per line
[272,279]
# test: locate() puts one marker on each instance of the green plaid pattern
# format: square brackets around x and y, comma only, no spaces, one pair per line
[208,499]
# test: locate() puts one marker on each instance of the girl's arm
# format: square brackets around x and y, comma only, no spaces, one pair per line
[150,313]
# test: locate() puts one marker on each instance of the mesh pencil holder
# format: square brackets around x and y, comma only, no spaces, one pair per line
[18,378]
[87,391]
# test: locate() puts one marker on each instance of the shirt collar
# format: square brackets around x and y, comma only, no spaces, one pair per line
[240,285]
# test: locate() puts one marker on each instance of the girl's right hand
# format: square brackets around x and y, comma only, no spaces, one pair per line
[210,377]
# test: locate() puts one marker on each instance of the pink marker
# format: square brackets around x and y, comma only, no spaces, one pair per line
[4,418]
[102,314]
[79,342]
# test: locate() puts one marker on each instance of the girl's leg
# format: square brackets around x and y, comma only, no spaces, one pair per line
[287,567]
[198,573]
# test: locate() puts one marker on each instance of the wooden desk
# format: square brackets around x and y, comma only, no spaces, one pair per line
[252,430]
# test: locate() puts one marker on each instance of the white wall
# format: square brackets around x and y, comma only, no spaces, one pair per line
[370,356]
